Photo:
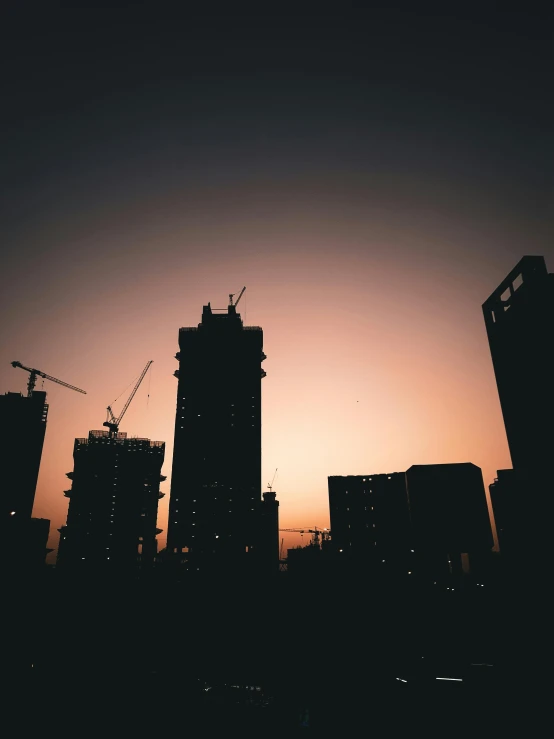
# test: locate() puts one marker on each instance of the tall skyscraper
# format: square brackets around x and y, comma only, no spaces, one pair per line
[519,319]
[113,504]
[215,505]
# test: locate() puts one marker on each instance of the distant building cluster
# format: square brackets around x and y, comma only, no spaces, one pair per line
[429,522]
[419,522]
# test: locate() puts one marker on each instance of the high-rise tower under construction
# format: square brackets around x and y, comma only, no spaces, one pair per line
[214,514]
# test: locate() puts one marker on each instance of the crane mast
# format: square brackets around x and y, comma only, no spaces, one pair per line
[232,295]
[34,373]
[270,484]
[112,422]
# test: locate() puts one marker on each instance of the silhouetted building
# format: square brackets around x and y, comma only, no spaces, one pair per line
[506,503]
[418,522]
[23,425]
[35,547]
[113,504]
[449,516]
[22,430]
[519,318]
[370,521]
[214,513]
[26,556]
[268,544]
[315,560]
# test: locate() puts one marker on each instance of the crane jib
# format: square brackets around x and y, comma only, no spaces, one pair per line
[33,378]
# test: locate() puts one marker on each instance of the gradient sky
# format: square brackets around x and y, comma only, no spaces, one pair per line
[370,175]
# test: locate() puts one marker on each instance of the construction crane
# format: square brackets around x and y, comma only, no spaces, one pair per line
[232,295]
[319,534]
[112,422]
[270,484]
[34,373]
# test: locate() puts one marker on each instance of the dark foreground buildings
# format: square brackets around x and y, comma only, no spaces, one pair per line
[449,517]
[217,519]
[22,430]
[519,319]
[417,523]
[370,520]
[113,505]
[23,426]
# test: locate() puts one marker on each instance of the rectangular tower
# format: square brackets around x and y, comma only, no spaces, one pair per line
[214,511]
[519,318]
[23,426]
[370,521]
[113,504]
[417,522]
[449,515]
[22,430]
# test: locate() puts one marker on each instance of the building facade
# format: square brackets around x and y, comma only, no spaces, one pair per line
[215,505]
[449,516]
[519,319]
[370,521]
[22,430]
[506,504]
[23,426]
[113,504]
[419,522]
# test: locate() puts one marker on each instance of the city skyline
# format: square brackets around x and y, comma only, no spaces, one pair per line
[325,234]
[365,176]
[293,517]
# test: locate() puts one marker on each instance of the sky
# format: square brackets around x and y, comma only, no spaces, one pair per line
[369,172]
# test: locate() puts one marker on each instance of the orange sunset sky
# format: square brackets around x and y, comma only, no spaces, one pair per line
[365,177]
[377,353]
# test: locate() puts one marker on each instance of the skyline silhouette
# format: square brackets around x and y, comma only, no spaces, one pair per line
[380,180]
[363,173]
[289,519]
[218,426]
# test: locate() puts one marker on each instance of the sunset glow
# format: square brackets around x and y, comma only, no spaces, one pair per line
[369,206]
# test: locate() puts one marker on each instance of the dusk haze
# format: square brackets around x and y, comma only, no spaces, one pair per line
[368,175]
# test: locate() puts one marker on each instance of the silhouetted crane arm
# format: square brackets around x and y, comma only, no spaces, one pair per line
[34,373]
[240,295]
[232,295]
[270,484]
[113,423]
